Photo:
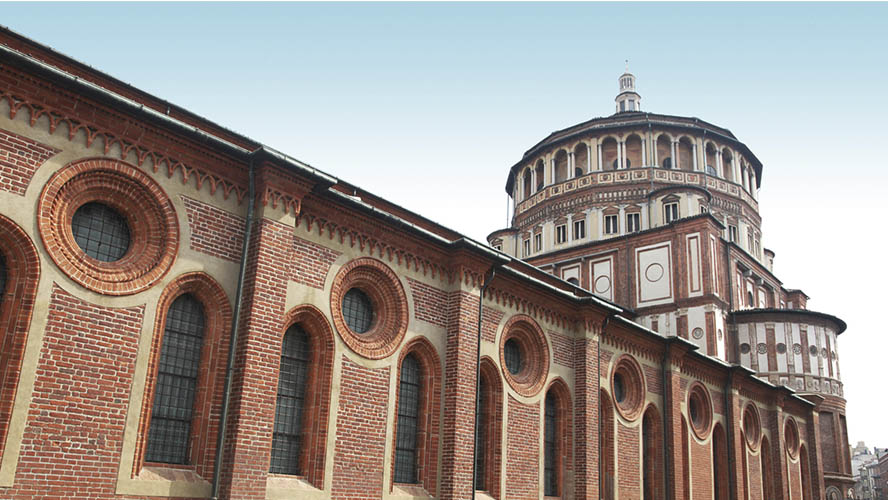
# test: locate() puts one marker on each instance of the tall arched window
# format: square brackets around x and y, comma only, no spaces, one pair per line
[408,418]
[551,458]
[767,480]
[481,418]
[719,463]
[806,473]
[286,448]
[179,365]
[652,457]
[606,464]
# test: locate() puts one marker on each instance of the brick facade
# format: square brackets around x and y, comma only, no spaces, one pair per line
[80,357]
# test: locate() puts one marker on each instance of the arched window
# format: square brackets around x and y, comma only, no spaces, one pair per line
[408,418]
[286,448]
[607,469]
[719,463]
[806,473]
[488,429]
[767,480]
[179,365]
[528,186]
[482,415]
[667,162]
[551,458]
[651,458]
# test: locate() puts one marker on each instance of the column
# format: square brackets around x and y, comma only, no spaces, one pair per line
[569,228]
[620,155]
[643,153]
[570,165]
[736,443]
[655,152]
[533,180]
[694,149]
[552,171]
[718,163]
[586,388]
[599,156]
[672,400]
[621,219]
[674,158]
[588,158]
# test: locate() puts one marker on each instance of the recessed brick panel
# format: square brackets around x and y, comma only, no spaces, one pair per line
[429,303]
[654,379]
[701,471]
[754,469]
[522,462]
[311,263]
[214,231]
[562,348]
[360,432]
[628,466]
[19,159]
[79,405]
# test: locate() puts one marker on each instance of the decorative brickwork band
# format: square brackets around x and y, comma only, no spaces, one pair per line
[389,304]
[154,230]
[208,396]
[22,268]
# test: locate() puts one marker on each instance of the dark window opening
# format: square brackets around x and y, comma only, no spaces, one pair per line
[101,232]
[287,442]
[512,353]
[619,388]
[551,447]
[358,310]
[179,364]
[667,162]
[481,417]
[408,418]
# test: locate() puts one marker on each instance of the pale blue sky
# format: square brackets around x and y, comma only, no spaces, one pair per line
[429,105]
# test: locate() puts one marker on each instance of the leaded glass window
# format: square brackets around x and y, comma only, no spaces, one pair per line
[512,353]
[357,308]
[287,442]
[408,419]
[481,416]
[551,446]
[176,384]
[101,232]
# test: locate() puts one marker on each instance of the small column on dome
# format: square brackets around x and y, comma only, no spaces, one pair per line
[628,100]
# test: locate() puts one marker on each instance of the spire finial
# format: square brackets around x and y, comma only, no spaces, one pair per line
[627,65]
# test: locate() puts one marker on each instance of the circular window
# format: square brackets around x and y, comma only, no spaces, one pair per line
[369,308]
[791,436]
[700,410]
[524,355]
[797,348]
[101,232]
[781,348]
[357,308]
[744,348]
[697,333]
[762,348]
[108,226]
[627,386]
[813,350]
[752,427]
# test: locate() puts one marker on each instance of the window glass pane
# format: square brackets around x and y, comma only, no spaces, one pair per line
[408,417]
[514,358]
[101,232]
[179,363]
[481,417]
[287,441]
[357,310]
[551,446]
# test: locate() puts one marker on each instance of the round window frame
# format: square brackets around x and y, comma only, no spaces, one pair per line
[148,211]
[634,387]
[699,391]
[389,302]
[792,426]
[751,417]
[535,351]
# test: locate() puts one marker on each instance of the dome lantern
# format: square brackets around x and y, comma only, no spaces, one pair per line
[628,99]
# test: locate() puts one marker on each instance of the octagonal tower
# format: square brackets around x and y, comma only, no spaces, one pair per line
[660,214]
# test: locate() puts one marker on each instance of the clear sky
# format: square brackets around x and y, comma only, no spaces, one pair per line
[429,105]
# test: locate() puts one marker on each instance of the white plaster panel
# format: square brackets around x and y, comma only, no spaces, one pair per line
[780,337]
[761,337]
[654,274]
[601,279]
[713,263]
[571,272]
[695,273]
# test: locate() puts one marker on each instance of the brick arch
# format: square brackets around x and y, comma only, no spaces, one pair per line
[427,436]
[653,463]
[490,376]
[16,308]
[558,388]
[208,396]
[316,409]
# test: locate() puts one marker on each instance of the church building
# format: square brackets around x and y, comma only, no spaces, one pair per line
[187,313]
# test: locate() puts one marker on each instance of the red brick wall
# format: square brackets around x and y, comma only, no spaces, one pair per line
[429,303]
[214,231]
[491,320]
[311,262]
[653,378]
[754,469]
[828,442]
[360,432]
[562,348]
[701,471]
[523,455]
[795,480]
[19,159]
[628,466]
[73,436]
